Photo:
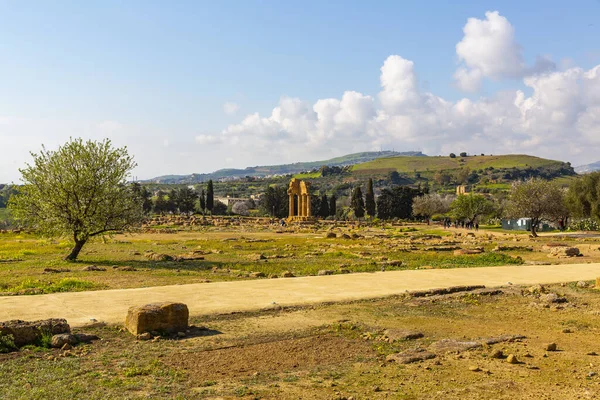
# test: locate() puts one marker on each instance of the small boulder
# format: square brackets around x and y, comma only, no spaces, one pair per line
[93,268]
[257,275]
[582,284]
[144,336]
[287,274]
[550,347]
[497,354]
[512,359]
[58,341]
[330,235]
[166,316]
[325,272]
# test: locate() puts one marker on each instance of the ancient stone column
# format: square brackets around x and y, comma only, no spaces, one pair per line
[308,210]
[305,209]
[291,213]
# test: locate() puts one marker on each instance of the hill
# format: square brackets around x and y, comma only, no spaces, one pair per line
[270,170]
[409,165]
[586,169]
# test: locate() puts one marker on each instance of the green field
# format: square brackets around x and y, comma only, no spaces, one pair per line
[431,164]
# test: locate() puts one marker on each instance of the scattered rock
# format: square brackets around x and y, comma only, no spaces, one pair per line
[30,332]
[257,257]
[512,359]
[66,346]
[410,356]
[330,235]
[464,252]
[550,347]
[344,271]
[497,354]
[58,341]
[536,290]
[85,338]
[561,251]
[93,268]
[444,291]
[257,275]
[394,335]
[345,236]
[591,353]
[152,256]
[582,284]
[167,316]
[474,368]
[325,272]
[553,298]
[55,271]
[144,336]
[287,274]
[126,269]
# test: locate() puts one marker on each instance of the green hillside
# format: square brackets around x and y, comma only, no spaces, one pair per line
[408,165]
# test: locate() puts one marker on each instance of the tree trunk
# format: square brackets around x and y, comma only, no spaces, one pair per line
[75,252]
[533,232]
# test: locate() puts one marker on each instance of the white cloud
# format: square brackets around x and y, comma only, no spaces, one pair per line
[489,50]
[208,139]
[230,108]
[557,120]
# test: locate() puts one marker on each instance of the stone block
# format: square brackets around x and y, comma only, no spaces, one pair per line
[166,317]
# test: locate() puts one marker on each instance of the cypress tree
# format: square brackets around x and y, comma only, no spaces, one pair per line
[332,205]
[324,207]
[370,199]
[210,196]
[202,201]
[358,203]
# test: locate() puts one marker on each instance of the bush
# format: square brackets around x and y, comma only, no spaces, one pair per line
[586,224]
[7,343]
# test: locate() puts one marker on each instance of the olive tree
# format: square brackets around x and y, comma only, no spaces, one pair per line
[470,206]
[430,204]
[79,191]
[538,200]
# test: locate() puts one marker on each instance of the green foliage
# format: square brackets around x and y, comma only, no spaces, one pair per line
[396,202]
[333,205]
[370,206]
[536,199]
[45,339]
[585,224]
[275,202]
[7,343]
[79,190]
[357,203]
[430,204]
[202,201]
[210,196]
[452,155]
[584,196]
[324,207]
[32,286]
[470,206]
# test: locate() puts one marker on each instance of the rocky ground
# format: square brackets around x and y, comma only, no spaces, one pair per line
[517,342]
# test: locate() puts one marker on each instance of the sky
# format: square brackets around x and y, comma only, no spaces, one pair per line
[195,86]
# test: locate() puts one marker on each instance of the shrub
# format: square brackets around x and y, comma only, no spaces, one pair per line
[7,343]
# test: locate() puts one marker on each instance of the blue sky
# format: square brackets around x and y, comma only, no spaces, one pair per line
[155,76]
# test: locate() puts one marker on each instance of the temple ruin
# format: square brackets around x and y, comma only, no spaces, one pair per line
[299,194]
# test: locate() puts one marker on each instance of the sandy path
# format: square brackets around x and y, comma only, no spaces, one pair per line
[223,297]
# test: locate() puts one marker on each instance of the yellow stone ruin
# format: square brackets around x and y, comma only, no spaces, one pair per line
[299,194]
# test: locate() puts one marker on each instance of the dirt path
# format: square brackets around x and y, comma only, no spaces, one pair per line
[222,297]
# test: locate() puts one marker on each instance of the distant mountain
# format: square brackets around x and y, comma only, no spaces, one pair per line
[269,170]
[586,169]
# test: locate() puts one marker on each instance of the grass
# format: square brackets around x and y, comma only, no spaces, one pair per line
[431,164]
[27,261]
